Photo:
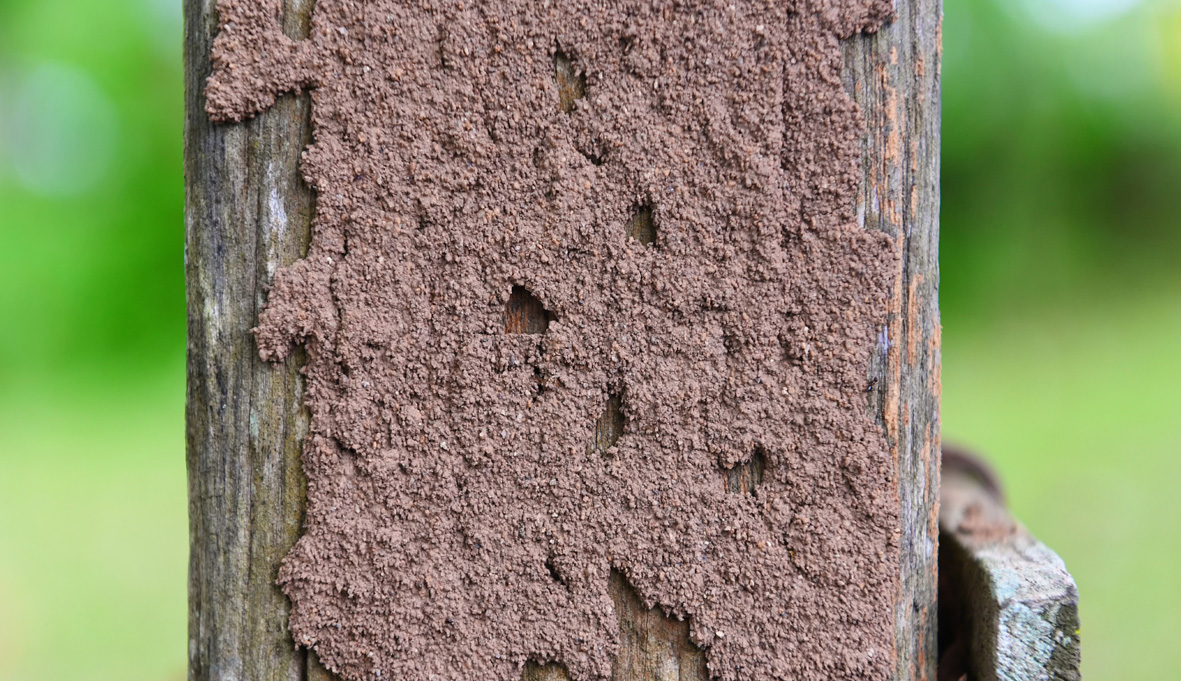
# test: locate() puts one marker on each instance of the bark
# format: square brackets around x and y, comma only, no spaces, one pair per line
[248,212]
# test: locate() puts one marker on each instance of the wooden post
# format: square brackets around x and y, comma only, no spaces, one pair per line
[248,213]
[1009,608]
[894,78]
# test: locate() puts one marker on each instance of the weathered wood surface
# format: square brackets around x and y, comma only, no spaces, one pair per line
[1010,608]
[248,212]
[894,77]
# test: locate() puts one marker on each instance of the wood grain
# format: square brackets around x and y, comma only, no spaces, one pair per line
[247,213]
[894,77]
[1009,606]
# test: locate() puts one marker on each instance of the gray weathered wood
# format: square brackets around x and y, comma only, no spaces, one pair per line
[248,213]
[1014,607]
[894,77]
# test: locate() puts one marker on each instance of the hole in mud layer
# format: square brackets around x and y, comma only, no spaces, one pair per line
[593,153]
[553,570]
[550,671]
[610,426]
[524,313]
[652,644]
[642,225]
[571,81]
[746,478]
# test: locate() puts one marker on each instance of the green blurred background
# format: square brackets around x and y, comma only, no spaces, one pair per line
[1061,297]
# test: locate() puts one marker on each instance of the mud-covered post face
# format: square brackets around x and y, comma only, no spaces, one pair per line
[620,336]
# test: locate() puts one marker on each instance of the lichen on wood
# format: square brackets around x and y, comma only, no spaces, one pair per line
[1010,605]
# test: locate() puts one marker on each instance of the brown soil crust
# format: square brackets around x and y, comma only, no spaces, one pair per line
[538,216]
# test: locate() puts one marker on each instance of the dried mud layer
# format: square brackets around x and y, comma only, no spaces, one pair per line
[586,295]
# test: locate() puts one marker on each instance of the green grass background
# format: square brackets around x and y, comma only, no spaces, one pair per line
[1060,289]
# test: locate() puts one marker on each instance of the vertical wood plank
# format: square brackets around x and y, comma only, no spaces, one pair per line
[246,214]
[894,76]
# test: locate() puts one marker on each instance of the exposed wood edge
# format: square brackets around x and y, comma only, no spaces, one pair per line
[1014,602]
[894,76]
[247,213]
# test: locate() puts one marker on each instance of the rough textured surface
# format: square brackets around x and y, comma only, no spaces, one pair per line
[882,203]
[1015,603]
[458,522]
[246,214]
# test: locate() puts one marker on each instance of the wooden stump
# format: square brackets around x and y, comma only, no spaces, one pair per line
[248,213]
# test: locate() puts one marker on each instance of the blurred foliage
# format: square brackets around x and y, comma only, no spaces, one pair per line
[91,269]
[93,543]
[1061,153]
[1060,287]
[1060,291]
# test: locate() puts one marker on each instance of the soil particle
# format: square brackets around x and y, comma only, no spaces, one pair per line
[538,216]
